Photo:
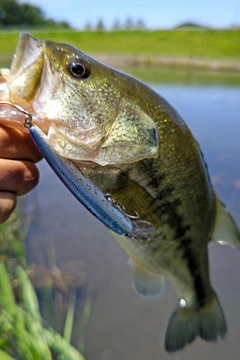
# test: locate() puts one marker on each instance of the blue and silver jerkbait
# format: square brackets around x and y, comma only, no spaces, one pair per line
[87,193]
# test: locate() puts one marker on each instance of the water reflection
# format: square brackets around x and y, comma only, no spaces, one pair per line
[121,324]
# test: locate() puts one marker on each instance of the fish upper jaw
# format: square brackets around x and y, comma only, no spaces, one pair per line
[26,68]
[27,52]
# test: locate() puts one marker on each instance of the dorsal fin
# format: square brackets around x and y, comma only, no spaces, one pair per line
[225,230]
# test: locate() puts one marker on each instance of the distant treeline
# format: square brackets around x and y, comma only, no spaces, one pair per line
[13,14]
[18,15]
[128,24]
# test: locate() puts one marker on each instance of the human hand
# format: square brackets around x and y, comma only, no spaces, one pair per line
[18,173]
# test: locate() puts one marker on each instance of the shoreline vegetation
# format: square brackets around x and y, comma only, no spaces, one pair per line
[178,55]
[24,332]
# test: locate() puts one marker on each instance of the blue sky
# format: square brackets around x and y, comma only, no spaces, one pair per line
[154,13]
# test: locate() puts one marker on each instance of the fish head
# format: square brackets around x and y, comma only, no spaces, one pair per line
[90,109]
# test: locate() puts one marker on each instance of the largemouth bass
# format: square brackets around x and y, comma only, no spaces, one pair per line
[134,145]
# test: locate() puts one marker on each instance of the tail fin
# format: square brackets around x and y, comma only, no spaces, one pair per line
[186,324]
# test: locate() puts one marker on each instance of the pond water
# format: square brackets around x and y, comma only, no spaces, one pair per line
[121,325]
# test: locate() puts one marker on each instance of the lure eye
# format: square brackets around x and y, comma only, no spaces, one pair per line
[79,69]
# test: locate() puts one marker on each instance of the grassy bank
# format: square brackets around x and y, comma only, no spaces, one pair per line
[221,44]
[202,50]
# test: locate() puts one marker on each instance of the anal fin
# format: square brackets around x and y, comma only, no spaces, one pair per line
[146,283]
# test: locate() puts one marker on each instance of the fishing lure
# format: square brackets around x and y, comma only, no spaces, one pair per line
[101,205]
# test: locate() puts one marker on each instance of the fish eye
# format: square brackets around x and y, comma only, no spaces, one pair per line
[79,69]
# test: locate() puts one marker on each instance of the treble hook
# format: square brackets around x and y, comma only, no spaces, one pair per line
[116,204]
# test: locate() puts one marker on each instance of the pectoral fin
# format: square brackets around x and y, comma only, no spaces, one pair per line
[145,282]
[225,230]
[133,136]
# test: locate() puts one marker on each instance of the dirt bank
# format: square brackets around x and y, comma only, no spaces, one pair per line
[124,61]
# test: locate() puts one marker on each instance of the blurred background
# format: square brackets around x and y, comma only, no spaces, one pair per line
[188,52]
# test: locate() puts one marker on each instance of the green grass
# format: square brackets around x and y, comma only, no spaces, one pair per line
[222,44]
[24,335]
[190,44]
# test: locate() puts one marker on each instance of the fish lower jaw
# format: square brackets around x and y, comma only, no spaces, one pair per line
[79,152]
[81,164]
[69,149]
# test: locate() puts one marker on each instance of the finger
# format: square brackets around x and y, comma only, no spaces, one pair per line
[7,205]
[15,144]
[18,176]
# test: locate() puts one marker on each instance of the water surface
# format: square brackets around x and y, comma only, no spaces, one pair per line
[123,326]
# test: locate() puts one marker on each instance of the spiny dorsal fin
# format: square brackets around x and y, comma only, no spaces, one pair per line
[145,282]
[225,230]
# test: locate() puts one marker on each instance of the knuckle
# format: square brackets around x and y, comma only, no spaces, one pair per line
[30,178]
[8,203]
[18,177]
